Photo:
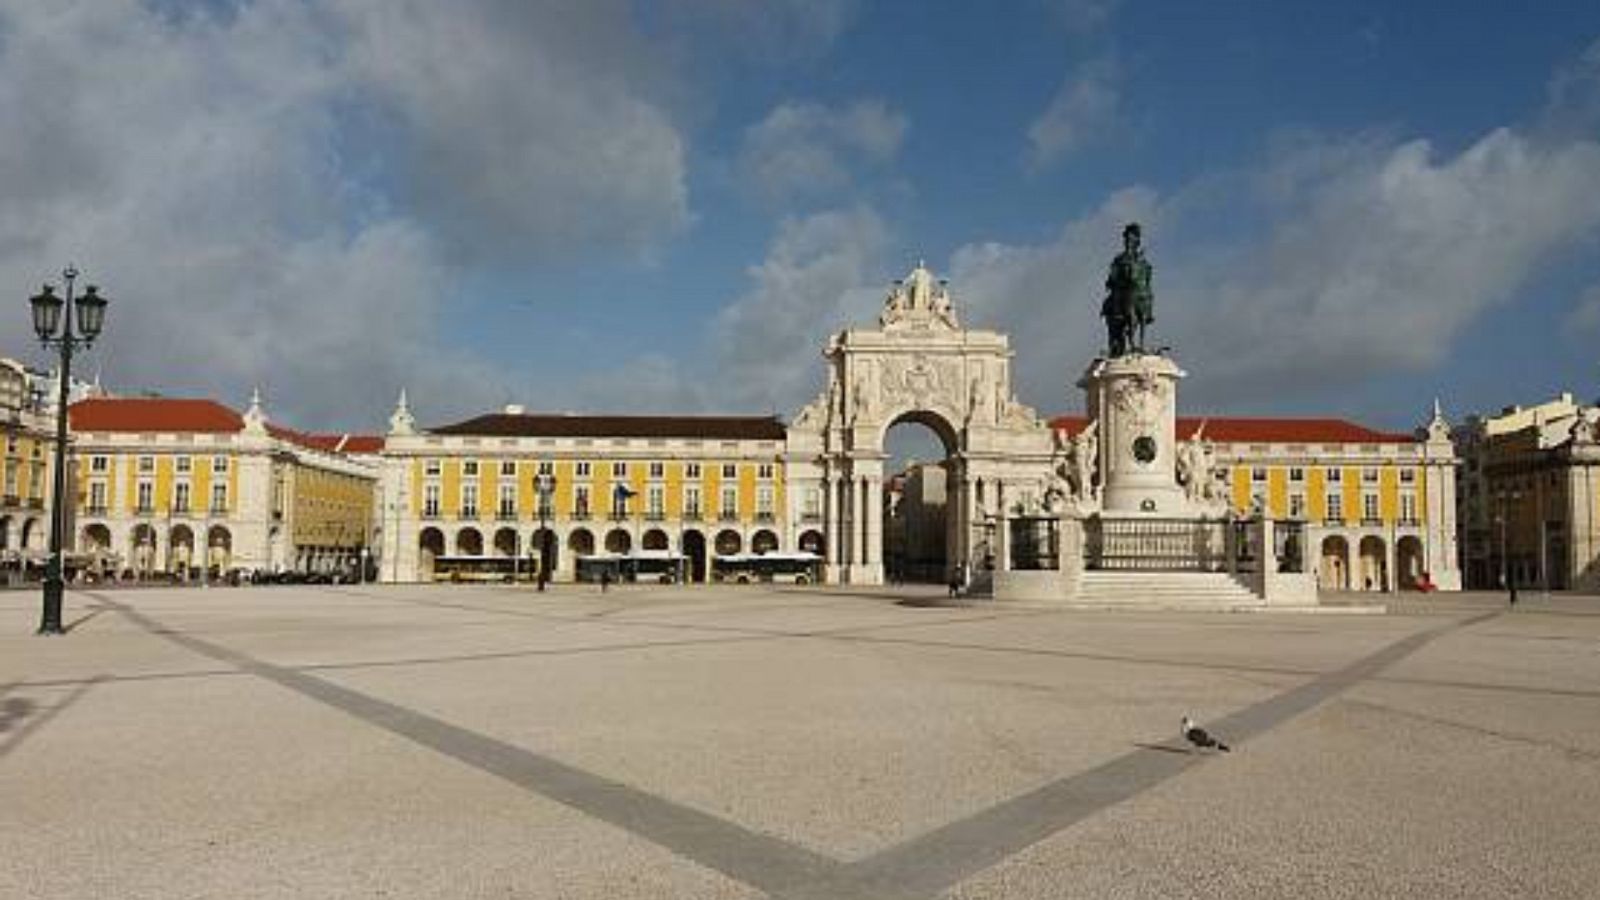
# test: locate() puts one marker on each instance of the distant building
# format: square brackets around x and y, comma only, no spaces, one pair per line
[27,445]
[1377,508]
[165,486]
[915,523]
[1530,496]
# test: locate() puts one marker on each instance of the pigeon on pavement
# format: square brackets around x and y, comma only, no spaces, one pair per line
[1200,737]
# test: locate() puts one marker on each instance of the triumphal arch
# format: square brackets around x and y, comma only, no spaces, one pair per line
[919,365]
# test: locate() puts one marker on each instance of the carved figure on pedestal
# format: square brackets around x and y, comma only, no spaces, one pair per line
[1058,492]
[1586,427]
[1129,306]
[1194,466]
[1085,459]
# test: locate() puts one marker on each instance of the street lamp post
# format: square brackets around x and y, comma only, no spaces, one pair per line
[51,313]
[545,484]
[1505,563]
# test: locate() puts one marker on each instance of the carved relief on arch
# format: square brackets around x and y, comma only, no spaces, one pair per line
[920,380]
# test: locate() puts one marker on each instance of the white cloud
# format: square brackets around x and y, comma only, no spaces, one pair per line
[212,170]
[1085,108]
[1372,259]
[524,128]
[807,149]
[816,278]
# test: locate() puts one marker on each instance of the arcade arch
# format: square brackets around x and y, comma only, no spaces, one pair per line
[694,550]
[430,546]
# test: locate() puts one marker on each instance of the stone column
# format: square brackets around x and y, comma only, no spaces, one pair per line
[874,538]
[1002,527]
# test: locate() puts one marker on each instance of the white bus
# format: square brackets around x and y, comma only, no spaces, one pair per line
[785,568]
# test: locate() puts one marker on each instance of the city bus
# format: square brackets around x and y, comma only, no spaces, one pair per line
[484,568]
[784,568]
[662,566]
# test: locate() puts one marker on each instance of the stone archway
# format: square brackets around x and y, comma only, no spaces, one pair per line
[1408,562]
[1374,575]
[1333,572]
[693,548]
[430,546]
[919,365]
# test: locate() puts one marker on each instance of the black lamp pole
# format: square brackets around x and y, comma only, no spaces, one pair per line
[50,314]
[545,484]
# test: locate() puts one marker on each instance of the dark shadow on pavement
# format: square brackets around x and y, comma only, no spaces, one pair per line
[1163,748]
[95,611]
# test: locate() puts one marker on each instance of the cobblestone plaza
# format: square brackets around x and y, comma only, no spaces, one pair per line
[421,741]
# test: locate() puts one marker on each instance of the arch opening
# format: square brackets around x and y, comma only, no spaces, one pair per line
[920,489]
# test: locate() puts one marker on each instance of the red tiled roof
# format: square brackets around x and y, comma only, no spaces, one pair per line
[152,414]
[340,443]
[522,425]
[174,415]
[1236,430]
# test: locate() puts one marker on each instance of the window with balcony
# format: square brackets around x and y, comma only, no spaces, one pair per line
[580,501]
[1408,509]
[811,506]
[1369,509]
[430,501]
[97,498]
[1335,508]
[145,494]
[507,507]
[219,498]
[1297,506]
[691,502]
[469,501]
[180,497]
[764,503]
[730,504]
[656,502]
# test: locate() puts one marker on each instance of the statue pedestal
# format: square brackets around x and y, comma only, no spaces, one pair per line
[1134,398]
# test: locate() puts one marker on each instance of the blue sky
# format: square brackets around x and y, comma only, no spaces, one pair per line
[667,206]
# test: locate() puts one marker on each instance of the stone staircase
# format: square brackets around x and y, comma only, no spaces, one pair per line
[1165,590]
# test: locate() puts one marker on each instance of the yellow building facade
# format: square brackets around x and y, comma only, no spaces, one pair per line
[191,488]
[636,487]
[27,448]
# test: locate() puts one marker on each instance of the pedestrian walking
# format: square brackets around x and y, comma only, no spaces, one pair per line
[1511,584]
[605,580]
